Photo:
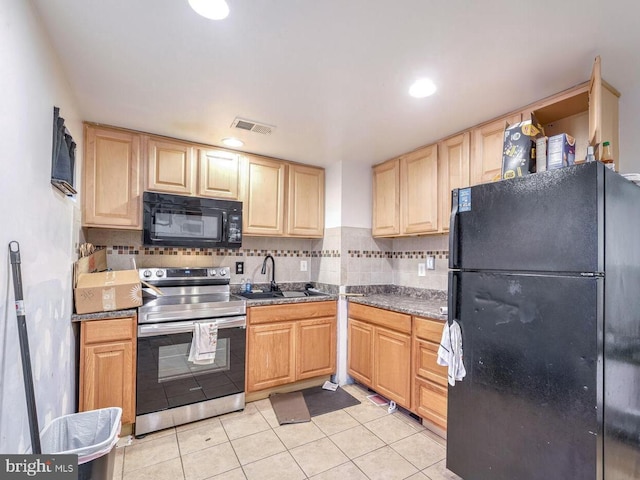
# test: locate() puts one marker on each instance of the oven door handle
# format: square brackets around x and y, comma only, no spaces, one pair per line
[168,328]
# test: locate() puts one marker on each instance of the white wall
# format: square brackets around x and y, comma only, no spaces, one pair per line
[333,195]
[41,219]
[356,195]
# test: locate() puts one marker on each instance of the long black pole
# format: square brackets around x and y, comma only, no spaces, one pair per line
[14,252]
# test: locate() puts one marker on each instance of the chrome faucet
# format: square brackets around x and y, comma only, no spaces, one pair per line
[274,287]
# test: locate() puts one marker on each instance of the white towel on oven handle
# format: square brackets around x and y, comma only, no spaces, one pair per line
[204,343]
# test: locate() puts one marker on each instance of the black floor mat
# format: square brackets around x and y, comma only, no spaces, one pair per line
[320,401]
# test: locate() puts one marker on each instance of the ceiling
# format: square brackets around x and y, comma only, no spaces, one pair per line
[331,75]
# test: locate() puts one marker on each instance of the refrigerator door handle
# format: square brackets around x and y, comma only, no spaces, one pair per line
[453,230]
[452,299]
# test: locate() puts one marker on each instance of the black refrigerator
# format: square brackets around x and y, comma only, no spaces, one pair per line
[544,281]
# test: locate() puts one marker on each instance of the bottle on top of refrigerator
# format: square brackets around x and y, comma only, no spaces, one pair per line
[607,156]
[590,156]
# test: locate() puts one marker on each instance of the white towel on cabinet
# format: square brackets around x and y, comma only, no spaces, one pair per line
[204,343]
[450,352]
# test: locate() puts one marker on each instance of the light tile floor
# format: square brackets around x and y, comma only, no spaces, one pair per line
[360,442]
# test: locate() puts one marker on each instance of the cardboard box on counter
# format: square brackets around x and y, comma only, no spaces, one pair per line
[96,262]
[107,291]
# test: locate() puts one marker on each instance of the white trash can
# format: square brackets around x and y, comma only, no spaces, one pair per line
[91,435]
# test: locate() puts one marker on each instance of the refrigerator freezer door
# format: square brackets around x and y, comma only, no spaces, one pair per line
[530,405]
[547,222]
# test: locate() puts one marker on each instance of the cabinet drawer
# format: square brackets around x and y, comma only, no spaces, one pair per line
[428,329]
[400,322]
[430,401]
[426,354]
[111,330]
[292,311]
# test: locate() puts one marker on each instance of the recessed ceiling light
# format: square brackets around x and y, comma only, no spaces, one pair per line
[232,142]
[422,87]
[212,9]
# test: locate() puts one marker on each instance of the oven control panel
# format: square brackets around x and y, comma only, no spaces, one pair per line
[184,276]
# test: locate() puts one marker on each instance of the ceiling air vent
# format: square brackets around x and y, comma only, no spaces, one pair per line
[244,124]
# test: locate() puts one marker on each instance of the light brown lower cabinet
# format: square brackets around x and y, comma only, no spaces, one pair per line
[379,351]
[429,379]
[395,355]
[107,365]
[291,342]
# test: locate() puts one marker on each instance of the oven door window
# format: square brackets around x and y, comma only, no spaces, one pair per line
[173,363]
[176,224]
[166,378]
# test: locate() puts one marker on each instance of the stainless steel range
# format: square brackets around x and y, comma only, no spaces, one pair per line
[170,389]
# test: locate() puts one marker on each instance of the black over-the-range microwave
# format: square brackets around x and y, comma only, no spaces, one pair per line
[181,221]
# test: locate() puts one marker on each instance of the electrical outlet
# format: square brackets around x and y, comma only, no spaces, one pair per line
[421,271]
[431,262]
[303,265]
[239,268]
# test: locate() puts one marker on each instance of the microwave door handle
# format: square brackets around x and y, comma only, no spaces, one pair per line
[225,227]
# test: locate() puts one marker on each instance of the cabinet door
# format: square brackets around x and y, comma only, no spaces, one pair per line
[315,348]
[271,355]
[306,201]
[263,210]
[360,351]
[419,191]
[218,174]
[453,172]
[109,378]
[107,366]
[425,362]
[172,167]
[392,365]
[488,140]
[112,179]
[430,402]
[386,199]
[603,113]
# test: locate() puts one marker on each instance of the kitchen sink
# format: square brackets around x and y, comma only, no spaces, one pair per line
[285,294]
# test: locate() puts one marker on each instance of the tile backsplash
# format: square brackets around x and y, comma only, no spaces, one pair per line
[345,256]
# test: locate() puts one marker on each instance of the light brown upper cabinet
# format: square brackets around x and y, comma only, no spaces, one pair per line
[218,174]
[263,196]
[405,194]
[419,191]
[112,183]
[171,166]
[270,209]
[306,201]
[587,112]
[453,172]
[386,199]
[488,140]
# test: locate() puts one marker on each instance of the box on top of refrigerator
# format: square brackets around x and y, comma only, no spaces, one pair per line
[519,149]
[561,151]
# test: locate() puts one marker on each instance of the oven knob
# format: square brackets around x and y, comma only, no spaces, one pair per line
[213,272]
[159,273]
[223,273]
[146,273]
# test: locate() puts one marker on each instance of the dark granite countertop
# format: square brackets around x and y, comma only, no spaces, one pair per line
[284,300]
[419,302]
[413,306]
[82,317]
